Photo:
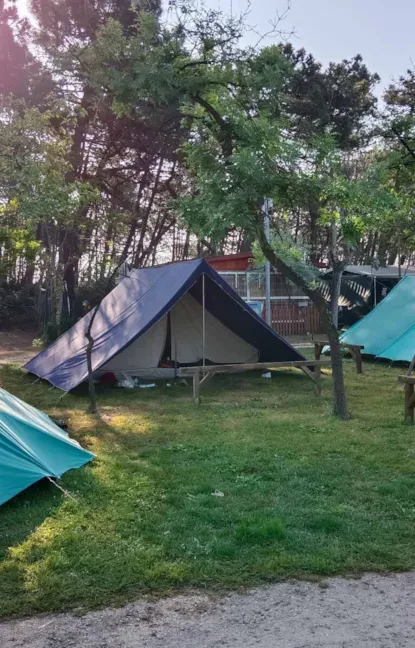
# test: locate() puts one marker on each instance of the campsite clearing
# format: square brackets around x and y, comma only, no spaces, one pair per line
[304,494]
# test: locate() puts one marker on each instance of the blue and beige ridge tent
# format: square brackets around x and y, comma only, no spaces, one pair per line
[182,311]
[389,330]
[32,447]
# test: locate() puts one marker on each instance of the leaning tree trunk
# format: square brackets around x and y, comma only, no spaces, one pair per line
[340,407]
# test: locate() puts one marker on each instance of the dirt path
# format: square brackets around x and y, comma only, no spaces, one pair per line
[16,347]
[374,612]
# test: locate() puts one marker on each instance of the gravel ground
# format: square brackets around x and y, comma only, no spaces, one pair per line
[373,612]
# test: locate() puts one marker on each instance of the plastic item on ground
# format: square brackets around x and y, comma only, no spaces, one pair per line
[256,306]
[267,375]
[127,382]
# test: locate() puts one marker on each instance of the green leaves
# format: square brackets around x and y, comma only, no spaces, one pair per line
[34,186]
[294,254]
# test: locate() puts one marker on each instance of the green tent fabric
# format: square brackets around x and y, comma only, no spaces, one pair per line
[32,447]
[388,331]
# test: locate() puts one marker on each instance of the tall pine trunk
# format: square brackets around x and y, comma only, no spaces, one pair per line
[336,282]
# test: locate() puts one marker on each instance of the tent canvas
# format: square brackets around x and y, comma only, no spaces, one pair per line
[389,330]
[186,306]
[32,447]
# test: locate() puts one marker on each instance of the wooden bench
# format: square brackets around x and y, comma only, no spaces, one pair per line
[202,375]
[355,350]
[409,383]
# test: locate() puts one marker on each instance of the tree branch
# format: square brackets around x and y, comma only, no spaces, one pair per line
[403,142]
[225,128]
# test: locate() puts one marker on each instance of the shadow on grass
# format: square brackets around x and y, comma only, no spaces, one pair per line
[258,483]
[20,516]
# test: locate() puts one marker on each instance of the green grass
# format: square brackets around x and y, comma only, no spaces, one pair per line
[304,494]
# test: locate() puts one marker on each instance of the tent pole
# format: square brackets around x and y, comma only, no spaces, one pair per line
[175,343]
[203,321]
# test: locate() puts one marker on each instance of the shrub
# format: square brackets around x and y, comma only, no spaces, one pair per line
[17,306]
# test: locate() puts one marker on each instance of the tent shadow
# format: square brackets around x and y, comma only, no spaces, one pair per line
[24,513]
[371,360]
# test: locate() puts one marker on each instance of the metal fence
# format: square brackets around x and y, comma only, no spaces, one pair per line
[292,312]
[251,285]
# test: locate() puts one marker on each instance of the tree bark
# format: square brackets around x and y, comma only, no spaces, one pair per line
[337,274]
[340,406]
[337,267]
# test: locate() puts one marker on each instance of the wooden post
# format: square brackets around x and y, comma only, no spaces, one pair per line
[411,366]
[206,378]
[317,383]
[358,359]
[202,375]
[409,406]
[355,351]
[196,388]
[318,348]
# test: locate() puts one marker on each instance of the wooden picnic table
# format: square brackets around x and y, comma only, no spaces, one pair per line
[355,350]
[201,375]
[409,384]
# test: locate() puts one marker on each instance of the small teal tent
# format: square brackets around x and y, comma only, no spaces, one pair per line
[388,331]
[32,447]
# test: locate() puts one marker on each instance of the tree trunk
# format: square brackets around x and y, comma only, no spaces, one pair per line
[336,281]
[340,407]
[384,243]
[93,405]
[314,213]
[29,274]
[106,255]
[186,245]
[93,408]
[392,255]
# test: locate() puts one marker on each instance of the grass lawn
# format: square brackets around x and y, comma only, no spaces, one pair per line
[304,494]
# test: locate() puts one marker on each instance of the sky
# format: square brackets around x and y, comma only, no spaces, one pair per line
[380,30]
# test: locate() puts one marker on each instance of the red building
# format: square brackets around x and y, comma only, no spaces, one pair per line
[231,262]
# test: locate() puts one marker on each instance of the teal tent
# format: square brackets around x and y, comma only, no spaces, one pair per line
[388,331]
[32,447]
